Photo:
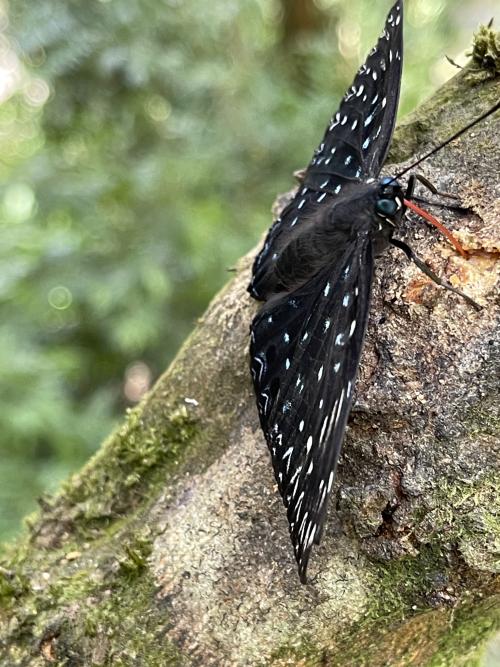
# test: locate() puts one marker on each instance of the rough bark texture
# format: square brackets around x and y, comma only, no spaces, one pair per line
[171,546]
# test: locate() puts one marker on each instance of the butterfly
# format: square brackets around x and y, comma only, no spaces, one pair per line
[314,275]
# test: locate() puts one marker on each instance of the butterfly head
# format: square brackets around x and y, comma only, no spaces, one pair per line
[389,204]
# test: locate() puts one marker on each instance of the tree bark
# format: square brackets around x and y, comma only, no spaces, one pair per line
[171,546]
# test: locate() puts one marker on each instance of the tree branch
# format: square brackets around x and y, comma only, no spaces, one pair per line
[171,545]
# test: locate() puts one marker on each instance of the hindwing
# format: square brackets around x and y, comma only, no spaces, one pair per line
[305,350]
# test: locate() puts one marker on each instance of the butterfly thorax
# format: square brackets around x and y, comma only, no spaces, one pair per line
[389,210]
[373,209]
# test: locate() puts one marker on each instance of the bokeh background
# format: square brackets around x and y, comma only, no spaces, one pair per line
[142,143]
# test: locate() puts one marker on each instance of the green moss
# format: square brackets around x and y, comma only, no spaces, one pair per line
[106,630]
[116,480]
[95,601]
[136,554]
[470,626]
[12,586]
[483,418]
[405,585]
[486,50]
[114,620]
[468,516]
[129,456]
[445,637]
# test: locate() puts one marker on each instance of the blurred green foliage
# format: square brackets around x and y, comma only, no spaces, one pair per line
[142,144]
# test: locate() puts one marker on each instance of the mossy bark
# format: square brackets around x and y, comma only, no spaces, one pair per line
[171,546]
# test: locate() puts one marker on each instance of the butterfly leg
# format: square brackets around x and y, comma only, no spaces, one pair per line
[430,273]
[450,207]
[410,189]
[412,181]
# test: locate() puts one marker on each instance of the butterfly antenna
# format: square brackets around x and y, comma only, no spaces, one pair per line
[487,113]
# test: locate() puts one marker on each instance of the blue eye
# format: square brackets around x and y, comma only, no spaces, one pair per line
[386,207]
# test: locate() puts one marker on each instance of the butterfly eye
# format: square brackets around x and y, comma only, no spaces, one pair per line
[386,207]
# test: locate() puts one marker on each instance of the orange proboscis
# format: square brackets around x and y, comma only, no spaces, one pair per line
[446,232]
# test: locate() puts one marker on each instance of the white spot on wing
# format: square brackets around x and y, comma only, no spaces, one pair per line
[339,410]
[323,428]
[330,482]
[299,503]
[311,537]
[261,366]
[294,477]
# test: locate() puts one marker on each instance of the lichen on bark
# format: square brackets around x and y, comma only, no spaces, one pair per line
[171,547]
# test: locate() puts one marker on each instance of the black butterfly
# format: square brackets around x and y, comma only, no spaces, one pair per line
[315,274]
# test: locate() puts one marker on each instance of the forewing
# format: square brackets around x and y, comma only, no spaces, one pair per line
[305,350]
[357,139]
[353,148]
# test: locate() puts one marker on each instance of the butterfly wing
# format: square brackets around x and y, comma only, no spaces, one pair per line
[353,148]
[305,350]
[356,142]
